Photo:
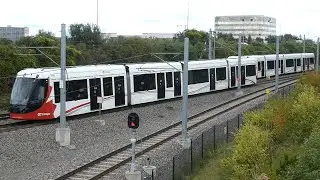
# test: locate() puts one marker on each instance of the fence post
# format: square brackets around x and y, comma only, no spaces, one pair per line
[227,138]
[202,146]
[214,137]
[173,164]
[191,155]
[238,121]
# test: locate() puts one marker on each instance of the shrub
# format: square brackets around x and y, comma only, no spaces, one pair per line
[311,78]
[308,161]
[250,154]
[304,113]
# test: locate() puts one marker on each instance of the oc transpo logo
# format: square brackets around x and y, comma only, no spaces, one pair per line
[43,114]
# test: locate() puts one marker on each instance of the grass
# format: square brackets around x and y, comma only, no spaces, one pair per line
[210,168]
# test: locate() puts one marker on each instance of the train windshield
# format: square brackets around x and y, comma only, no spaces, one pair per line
[28,91]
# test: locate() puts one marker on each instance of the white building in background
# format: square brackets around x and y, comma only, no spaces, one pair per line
[13,33]
[143,35]
[253,25]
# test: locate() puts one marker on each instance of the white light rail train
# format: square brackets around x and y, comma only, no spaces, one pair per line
[35,94]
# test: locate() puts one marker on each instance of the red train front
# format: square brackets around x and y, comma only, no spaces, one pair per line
[30,98]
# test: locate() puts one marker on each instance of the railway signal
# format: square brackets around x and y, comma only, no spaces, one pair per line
[133,124]
[133,121]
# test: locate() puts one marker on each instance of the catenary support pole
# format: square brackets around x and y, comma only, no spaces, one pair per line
[63,78]
[214,45]
[97,12]
[63,131]
[210,44]
[277,64]
[304,51]
[304,43]
[239,92]
[184,115]
[317,60]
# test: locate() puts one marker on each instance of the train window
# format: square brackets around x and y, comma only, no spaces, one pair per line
[169,79]
[270,65]
[250,70]
[76,90]
[107,86]
[298,62]
[198,76]
[289,63]
[259,66]
[221,74]
[144,82]
[311,60]
[56,92]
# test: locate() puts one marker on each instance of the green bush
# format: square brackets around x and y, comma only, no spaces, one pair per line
[304,113]
[270,141]
[250,155]
[308,161]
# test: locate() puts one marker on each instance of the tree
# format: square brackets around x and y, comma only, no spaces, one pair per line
[249,39]
[271,39]
[85,33]
[259,39]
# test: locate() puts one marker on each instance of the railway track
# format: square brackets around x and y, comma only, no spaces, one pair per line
[12,126]
[265,81]
[110,162]
[4,116]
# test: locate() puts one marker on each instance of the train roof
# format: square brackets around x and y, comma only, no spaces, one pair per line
[154,67]
[73,72]
[272,56]
[244,61]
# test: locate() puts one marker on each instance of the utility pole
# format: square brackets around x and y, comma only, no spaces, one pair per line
[63,122]
[214,45]
[184,115]
[97,12]
[304,51]
[317,60]
[210,44]
[239,92]
[188,17]
[304,43]
[63,132]
[277,64]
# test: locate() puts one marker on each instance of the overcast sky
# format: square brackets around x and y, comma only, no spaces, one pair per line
[144,16]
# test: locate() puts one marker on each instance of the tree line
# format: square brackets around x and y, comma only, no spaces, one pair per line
[87,45]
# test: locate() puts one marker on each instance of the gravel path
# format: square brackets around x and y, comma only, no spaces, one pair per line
[33,153]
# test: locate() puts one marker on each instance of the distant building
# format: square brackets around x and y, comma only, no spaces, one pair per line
[143,35]
[13,33]
[257,26]
[158,35]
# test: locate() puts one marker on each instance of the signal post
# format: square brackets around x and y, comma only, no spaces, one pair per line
[133,124]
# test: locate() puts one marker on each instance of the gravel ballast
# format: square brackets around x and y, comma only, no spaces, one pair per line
[33,153]
[162,156]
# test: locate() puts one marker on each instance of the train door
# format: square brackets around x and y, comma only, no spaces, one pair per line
[119,91]
[233,76]
[308,63]
[303,64]
[243,75]
[212,79]
[177,84]
[262,69]
[295,65]
[161,86]
[281,66]
[95,92]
